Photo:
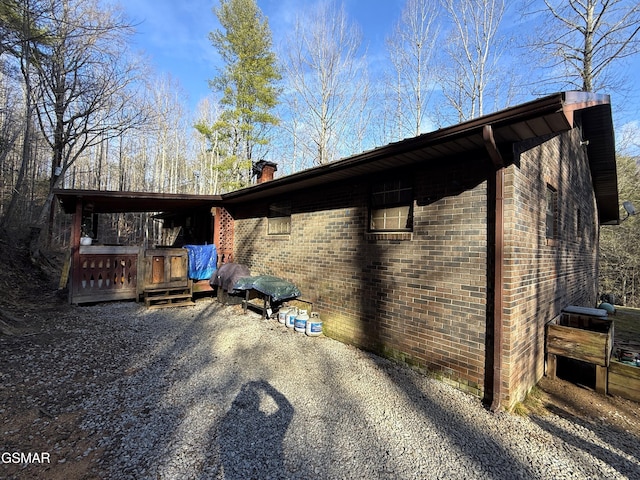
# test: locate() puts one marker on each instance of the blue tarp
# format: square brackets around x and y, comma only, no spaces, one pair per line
[203,261]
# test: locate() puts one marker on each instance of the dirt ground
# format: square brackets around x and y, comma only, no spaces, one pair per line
[29,298]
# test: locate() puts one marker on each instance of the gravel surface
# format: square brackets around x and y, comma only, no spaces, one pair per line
[206,392]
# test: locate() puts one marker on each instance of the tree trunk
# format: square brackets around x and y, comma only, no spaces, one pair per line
[25,65]
[10,213]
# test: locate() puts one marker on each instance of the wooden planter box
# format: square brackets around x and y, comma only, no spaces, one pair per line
[581,336]
[624,380]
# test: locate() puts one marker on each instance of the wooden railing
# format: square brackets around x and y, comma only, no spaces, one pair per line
[102,273]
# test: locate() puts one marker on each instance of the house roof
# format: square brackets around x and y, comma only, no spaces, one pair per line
[543,117]
[550,115]
[102,201]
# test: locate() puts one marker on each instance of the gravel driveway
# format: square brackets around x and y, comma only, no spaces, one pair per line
[206,392]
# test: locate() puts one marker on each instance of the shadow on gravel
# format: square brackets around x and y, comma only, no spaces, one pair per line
[157,429]
[251,434]
[178,407]
[488,458]
[623,441]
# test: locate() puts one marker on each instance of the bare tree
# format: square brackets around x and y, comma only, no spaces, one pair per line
[85,76]
[209,146]
[628,141]
[328,83]
[22,37]
[473,52]
[619,248]
[411,49]
[288,134]
[167,133]
[580,40]
[11,122]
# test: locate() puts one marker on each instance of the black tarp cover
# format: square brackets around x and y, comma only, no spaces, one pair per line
[277,288]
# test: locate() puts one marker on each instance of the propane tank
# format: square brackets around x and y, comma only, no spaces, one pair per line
[314,325]
[300,324]
[291,317]
[282,314]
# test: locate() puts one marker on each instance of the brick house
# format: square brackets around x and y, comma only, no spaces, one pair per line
[450,250]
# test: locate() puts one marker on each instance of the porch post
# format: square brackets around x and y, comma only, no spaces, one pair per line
[76,228]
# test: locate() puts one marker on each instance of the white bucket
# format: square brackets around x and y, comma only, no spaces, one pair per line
[300,324]
[291,317]
[314,325]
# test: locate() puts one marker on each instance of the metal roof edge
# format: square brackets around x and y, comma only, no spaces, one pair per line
[548,104]
[121,201]
[130,194]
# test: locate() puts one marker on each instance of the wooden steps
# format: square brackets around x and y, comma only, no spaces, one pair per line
[168,297]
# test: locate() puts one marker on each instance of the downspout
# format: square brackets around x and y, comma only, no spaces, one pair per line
[498,260]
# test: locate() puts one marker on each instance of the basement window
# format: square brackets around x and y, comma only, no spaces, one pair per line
[391,206]
[552,213]
[279,219]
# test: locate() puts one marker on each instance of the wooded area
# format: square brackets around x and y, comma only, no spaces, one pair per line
[78,109]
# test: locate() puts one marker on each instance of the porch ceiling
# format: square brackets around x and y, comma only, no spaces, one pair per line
[597,129]
[120,202]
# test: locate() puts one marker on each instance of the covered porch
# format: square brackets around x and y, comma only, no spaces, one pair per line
[99,270]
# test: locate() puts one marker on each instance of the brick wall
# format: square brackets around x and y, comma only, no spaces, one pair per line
[418,297]
[544,275]
[421,297]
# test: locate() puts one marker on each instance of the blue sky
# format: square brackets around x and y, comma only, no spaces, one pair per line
[174,36]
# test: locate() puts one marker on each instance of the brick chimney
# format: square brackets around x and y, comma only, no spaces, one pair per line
[264,170]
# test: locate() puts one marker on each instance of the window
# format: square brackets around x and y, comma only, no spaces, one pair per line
[552,212]
[579,222]
[391,207]
[279,219]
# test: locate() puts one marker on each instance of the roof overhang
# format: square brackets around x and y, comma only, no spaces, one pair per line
[547,116]
[102,201]
[540,118]
[597,132]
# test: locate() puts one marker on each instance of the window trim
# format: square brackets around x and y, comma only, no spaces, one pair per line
[551,214]
[278,214]
[403,191]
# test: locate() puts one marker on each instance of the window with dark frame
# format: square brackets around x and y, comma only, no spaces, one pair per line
[279,219]
[391,206]
[579,222]
[552,213]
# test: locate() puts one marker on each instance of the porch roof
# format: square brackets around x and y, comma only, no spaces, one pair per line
[106,201]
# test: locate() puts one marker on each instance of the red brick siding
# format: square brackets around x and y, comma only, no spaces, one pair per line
[541,276]
[422,297]
[418,297]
